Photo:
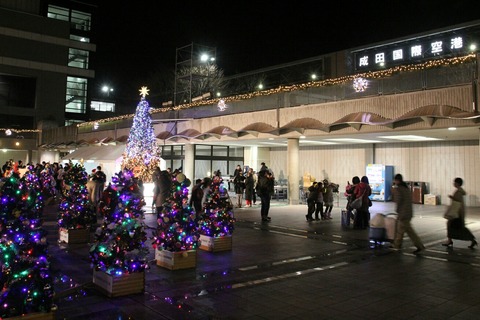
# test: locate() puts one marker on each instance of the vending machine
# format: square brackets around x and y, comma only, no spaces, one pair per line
[381,180]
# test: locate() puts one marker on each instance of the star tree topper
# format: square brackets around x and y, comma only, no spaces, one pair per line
[144,91]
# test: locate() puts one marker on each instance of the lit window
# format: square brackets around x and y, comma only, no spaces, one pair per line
[76,98]
[102,106]
[78,58]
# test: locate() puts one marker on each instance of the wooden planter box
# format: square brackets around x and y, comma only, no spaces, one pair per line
[176,260]
[35,316]
[215,244]
[115,286]
[73,236]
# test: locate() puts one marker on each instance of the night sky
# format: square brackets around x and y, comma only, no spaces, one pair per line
[136,39]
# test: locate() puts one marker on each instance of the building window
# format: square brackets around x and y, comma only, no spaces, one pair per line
[58,13]
[102,106]
[77,58]
[69,122]
[79,38]
[78,20]
[76,99]
[81,20]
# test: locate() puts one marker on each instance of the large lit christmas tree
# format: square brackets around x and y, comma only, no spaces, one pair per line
[120,245]
[76,211]
[27,286]
[217,218]
[177,227]
[142,154]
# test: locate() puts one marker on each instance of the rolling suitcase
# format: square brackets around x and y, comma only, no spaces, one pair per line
[377,232]
[346,217]
[390,226]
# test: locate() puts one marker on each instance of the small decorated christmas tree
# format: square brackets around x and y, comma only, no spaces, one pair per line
[76,211]
[177,228]
[120,243]
[142,154]
[25,275]
[217,219]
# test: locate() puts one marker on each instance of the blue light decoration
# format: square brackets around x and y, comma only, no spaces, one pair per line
[27,286]
[120,242]
[75,210]
[217,219]
[177,227]
[142,154]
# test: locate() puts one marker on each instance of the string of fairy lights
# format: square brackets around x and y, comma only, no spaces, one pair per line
[303,86]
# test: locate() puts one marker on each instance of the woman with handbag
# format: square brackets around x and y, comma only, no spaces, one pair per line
[362,191]
[456,221]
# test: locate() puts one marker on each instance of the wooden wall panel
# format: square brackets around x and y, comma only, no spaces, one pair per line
[437,164]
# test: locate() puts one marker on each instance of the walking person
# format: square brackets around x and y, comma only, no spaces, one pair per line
[456,227]
[402,196]
[265,190]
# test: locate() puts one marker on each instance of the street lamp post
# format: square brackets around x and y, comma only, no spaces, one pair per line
[106,89]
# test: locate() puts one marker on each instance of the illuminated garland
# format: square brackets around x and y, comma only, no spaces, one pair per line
[20,130]
[311,84]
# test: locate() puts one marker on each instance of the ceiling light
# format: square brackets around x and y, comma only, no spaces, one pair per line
[302,137]
[409,138]
[452,128]
[317,142]
[352,140]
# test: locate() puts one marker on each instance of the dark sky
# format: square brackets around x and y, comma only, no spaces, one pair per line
[138,38]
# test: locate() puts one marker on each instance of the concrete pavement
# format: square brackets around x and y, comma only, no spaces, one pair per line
[290,269]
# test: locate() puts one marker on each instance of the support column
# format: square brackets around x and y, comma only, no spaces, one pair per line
[293,170]
[369,154]
[189,163]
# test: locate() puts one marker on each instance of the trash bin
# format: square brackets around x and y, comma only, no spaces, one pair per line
[418,191]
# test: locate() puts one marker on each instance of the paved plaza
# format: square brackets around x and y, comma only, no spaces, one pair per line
[289,269]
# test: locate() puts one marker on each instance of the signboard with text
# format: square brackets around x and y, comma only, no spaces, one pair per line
[412,51]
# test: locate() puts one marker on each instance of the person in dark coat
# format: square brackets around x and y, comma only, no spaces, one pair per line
[456,227]
[249,188]
[163,186]
[265,190]
[350,194]
[313,194]
[239,184]
[196,197]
